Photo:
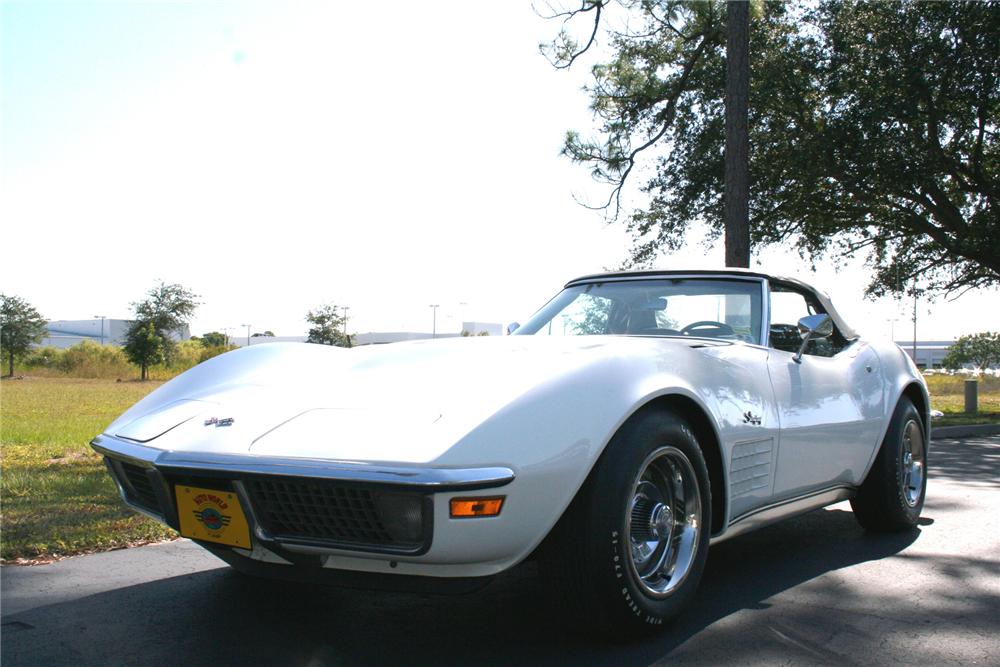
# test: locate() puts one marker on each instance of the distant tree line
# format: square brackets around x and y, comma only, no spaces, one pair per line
[149,339]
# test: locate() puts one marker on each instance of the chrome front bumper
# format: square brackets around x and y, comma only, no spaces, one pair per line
[145,477]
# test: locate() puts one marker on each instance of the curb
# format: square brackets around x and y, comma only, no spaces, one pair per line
[964,431]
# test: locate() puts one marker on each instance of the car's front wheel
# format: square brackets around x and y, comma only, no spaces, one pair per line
[892,496]
[629,552]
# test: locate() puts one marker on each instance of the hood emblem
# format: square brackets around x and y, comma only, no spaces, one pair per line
[751,418]
[215,421]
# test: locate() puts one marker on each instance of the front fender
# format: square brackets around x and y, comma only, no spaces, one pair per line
[553,436]
[901,377]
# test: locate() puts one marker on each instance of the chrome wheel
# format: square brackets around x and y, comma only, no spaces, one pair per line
[912,463]
[663,521]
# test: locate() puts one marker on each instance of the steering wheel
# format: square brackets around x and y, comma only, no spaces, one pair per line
[712,329]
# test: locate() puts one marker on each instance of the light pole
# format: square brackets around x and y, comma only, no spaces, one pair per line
[102,327]
[248,333]
[434,322]
[346,308]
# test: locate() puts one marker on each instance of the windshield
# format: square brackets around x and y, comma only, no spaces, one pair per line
[726,309]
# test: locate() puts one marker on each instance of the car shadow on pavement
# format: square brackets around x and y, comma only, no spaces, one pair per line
[222,617]
[966,460]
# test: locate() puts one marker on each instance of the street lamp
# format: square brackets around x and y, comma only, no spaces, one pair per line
[434,326]
[346,308]
[248,333]
[102,327]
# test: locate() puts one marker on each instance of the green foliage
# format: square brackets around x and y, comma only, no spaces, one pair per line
[872,129]
[596,313]
[21,326]
[982,350]
[327,326]
[42,357]
[187,354]
[214,339]
[144,346]
[168,308]
[84,360]
[190,353]
[209,351]
[87,359]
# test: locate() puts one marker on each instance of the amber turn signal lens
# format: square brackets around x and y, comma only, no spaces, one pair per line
[462,508]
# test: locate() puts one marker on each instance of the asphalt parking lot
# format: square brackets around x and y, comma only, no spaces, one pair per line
[814,590]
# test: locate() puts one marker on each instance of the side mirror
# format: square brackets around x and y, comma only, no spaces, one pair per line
[512,327]
[813,326]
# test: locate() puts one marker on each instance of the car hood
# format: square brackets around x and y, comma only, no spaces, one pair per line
[399,402]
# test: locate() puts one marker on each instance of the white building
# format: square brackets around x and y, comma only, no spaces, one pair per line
[67,333]
[478,328]
[380,337]
[930,353]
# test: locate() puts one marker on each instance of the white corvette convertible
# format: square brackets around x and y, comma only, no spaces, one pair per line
[631,422]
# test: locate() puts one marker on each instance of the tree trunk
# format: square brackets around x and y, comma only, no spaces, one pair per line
[11,367]
[142,373]
[736,197]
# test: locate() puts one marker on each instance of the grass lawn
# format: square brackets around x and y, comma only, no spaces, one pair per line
[948,396]
[57,497]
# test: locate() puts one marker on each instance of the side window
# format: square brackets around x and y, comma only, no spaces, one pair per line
[787,308]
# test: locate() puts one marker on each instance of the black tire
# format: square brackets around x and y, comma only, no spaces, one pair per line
[892,496]
[598,563]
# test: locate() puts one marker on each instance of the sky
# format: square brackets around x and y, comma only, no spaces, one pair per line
[276,156]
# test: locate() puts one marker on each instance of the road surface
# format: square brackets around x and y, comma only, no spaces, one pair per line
[814,590]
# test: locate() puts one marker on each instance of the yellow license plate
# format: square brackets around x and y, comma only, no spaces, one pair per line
[212,515]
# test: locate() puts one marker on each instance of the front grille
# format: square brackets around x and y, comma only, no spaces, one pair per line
[138,487]
[330,512]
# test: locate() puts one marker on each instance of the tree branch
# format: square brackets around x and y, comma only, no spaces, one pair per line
[667,116]
[595,6]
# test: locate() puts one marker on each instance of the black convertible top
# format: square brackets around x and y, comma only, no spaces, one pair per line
[820,298]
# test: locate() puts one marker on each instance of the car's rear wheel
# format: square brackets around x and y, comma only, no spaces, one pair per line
[629,552]
[892,496]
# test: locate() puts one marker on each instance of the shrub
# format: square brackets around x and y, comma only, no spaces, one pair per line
[43,357]
[87,359]
[209,351]
[91,360]
[187,354]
